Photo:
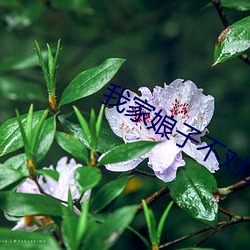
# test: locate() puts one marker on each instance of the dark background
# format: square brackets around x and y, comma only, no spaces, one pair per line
[161,41]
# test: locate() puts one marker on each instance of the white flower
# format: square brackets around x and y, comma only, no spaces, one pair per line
[187,104]
[58,189]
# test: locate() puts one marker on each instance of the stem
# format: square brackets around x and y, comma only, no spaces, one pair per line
[152,198]
[224,192]
[235,220]
[224,211]
[144,173]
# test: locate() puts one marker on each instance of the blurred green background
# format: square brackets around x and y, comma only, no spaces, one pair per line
[161,41]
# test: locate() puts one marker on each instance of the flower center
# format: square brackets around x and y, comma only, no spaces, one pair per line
[180,110]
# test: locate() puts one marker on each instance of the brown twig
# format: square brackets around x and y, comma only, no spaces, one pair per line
[224,211]
[235,220]
[152,198]
[204,229]
[144,173]
[224,192]
[226,23]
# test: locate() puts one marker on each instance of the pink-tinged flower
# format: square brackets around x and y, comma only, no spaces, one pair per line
[187,104]
[58,189]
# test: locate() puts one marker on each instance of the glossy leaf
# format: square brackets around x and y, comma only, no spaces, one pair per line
[18,162]
[90,81]
[74,228]
[87,177]
[69,230]
[127,152]
[73,146]
[105,235]
[233,41]
[53,174]
[107,138]
[8,176]
[19,90]
[16,240]
[20,204]
[241,5]
[84,125]
[193,191]
[99,121]
[162,221]
[46,137]
[151,223]
[10,136]
[108,193]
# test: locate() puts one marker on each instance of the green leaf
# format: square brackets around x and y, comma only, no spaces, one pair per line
[20,204]
[8,176]
[69,230]
[82,223]
[46,138]
[87,177]
[241,5]
[73,146]
[151,223]
[37,131]
[233,41]
[99,121]
[10,136]
[16,240]
[162,221]
[107,139]
[19,90]
[53,174]
[127,152]
[74,228]
[18,162]
[143,239]
[90,81]
[108,193]
[43,65]
[193,191]
[105,235]
[84,125]
[92,127]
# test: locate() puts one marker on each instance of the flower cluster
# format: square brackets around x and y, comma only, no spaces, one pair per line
[58,189]
[186,104]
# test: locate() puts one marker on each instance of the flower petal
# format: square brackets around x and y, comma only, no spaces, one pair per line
[29,187]
[164,159]
[198,109]
[126,165]
[65,182]
[199,155]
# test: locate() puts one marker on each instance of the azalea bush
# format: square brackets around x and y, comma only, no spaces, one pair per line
[161,135]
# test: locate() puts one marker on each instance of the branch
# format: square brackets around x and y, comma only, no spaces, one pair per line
[224,192]
[226,23]
[235,220]
[204,229]
[144,173]
[152,198]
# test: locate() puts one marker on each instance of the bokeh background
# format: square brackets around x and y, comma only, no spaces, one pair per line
[161,41]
